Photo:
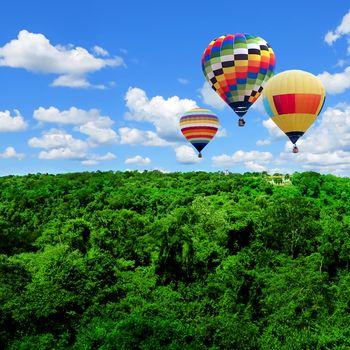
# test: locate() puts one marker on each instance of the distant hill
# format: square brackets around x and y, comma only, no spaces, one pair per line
[128,260]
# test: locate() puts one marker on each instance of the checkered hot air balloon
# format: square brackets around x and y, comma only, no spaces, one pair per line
[199,126]
[293,99]
[237,66]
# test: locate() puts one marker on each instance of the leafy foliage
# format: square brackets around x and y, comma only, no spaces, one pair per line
[114,260]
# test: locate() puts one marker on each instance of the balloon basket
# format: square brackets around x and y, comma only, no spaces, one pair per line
[199,155]
[295,149]
[241,122]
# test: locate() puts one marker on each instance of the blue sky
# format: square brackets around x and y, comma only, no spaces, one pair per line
[100,85]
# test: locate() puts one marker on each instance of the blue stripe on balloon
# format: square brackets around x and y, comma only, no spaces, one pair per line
[241,81]
[252,75]
[294,135]
[267,107]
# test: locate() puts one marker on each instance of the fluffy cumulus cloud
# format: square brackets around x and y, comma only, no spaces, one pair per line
[163,113]
[35,53]
[274,133]
[336,83]
[326,147]
[342,29]
[71,116]
[10,152]
[138,160]
[186,155]
[99,131]
[133,136]
[12,123]
[89,122]
[59,145]
[95,159]
[100,51]
[75,82]
[252,160]
[211,98]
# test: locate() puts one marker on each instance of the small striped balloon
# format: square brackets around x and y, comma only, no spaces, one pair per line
[199,126]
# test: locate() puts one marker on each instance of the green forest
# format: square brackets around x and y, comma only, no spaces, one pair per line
[130,260]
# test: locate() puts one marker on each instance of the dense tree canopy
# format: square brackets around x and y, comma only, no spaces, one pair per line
[128,260]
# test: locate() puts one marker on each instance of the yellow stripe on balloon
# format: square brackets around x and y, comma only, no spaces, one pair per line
[294,122]
[294,82]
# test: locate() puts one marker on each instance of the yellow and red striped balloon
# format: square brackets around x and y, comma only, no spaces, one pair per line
[199,126]
[293,99]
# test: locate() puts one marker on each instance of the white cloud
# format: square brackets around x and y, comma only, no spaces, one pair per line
[331,134]
[186,155]
[331,37]
[163,113]
[74,81]
[183,81]
[56,138]
[107,156]
[222,132]
[99,131]
[255,167]
[62,153]
[91,122]
[10,152]
[341,63]
[336,162]
[342,29]
[10,123]
[100,51]
[274,133]
[95,159]
[253,160]
[60,145]
[138,160]
[89,162]
[162,170]
[336,83]
[35,53]
[211,98]
[326,147]
[132,136]
[280,171]
[71,116]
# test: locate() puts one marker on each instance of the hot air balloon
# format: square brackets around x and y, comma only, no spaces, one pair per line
[293,99]
[237,66]
[199,126]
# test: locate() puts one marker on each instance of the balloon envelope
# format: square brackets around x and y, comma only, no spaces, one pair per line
[199,126]
[293,99]
[237,66]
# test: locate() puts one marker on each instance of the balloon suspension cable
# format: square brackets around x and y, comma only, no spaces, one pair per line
[241,122]
[295,149]
[199,155]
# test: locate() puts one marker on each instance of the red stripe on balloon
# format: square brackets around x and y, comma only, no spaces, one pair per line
[297,103]
[195,128]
